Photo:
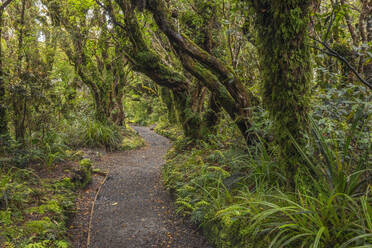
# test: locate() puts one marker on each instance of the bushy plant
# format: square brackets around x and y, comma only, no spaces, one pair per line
[98,134]
[237,199]
[83,175]
[168,130]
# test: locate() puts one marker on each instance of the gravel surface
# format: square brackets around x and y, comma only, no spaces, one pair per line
[133,209]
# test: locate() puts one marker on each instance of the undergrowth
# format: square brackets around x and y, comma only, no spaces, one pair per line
[172,132]
[38,185]
[95,134]
[131,139]
[34,211]
[236,195]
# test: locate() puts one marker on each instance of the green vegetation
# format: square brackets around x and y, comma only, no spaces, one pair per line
[34,211]
[234,195]
[268,105]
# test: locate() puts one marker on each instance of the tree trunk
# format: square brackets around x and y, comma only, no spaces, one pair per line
[282,31]
[3,109]
[118,95]
[210,118]
[148,62]
[230,92]
[19,102]
[368,65]
[167,98]
[221,95]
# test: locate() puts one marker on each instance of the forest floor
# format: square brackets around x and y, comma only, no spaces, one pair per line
[132,208]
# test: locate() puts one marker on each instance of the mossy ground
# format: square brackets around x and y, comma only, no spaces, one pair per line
[35,207]
[131,140]
[172,132]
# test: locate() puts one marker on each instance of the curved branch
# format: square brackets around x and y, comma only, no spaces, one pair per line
[335,54]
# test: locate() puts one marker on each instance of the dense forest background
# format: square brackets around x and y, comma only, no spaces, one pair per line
[268,104]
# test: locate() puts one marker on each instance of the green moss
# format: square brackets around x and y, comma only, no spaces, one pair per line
[3,110]
[132,143]
[3,121]
[167,98]
[189,119]
[282,32]
[170,131]
[83,175]
[37,210]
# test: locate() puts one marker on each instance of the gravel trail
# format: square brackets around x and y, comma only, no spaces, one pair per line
[133,210]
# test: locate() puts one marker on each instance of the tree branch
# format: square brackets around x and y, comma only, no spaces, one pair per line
[6,3]
[335,54]
[332,17]
[109,11]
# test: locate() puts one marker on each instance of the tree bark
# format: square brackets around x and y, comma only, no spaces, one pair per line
[19,102]
[368,65]
[351,28]
[167,98]
[282,31]
[210,117]
[3,109]
[183,44]
[148,62]
[5,4]
[231,93]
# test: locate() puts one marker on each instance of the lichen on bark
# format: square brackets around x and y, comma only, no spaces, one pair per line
[282,28]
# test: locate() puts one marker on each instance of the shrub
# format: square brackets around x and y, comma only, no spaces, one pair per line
[98,134]
[236,197]
[131,139]
[83,175]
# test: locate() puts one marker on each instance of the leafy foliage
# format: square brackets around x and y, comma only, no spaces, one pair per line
[34,211]
[238,201]
[97,134]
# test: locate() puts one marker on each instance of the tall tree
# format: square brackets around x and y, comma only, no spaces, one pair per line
[219,78]
[94,54]
[3,109]
[230,93]
[147,61]
[20,102]
[282,28]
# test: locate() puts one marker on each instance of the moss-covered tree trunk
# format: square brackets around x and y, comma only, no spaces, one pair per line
[4,132]
[285,56]
[100,103]
[210,117]
[166,96]
[207,10]
[101,110]
[148,62]
[121,79]
[368,63]
[3,110]
[220,79]
[19,102]
[118,96]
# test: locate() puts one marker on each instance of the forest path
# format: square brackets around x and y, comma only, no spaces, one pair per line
[133,209]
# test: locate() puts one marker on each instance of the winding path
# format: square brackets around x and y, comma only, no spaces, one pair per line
[133,210]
